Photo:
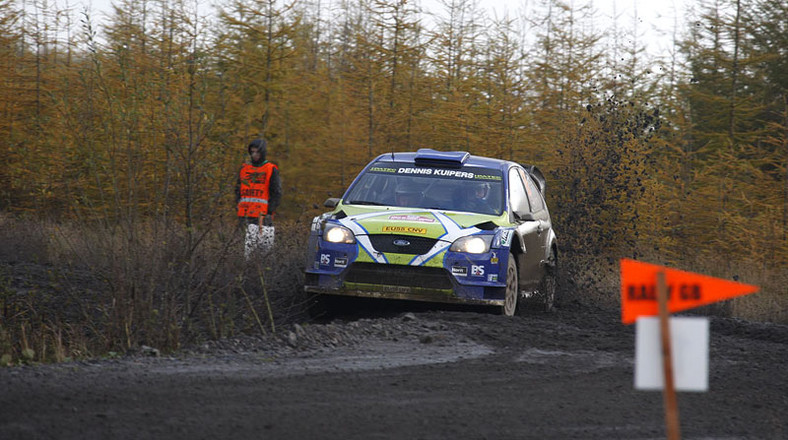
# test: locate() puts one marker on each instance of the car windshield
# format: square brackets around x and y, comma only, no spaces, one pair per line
[471,189]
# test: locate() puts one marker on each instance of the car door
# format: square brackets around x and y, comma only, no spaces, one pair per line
[541,215]
[527,230]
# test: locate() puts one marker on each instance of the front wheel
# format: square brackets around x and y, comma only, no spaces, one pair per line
[512,286]
[322,307]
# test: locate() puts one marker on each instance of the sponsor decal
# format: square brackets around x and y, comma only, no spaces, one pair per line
[394,289]
[407,229]
[506,238]
[436,172]
[325,259]
[459,271]
[473,173]
[340,262]
[477,271]
[316,224]
[412,218]
[493,277]
[383,170]
[494,258]
[424,171]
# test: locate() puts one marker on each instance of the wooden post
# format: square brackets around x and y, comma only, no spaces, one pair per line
[669,390]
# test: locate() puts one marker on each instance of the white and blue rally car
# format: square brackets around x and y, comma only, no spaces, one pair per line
[440,227]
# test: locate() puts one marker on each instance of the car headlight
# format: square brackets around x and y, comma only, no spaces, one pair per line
[472,244]
[338,234]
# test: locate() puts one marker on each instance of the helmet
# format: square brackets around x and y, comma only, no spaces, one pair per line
[479,190]
[472,196]
[408,193]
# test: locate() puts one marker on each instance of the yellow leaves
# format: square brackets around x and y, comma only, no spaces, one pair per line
[156,121]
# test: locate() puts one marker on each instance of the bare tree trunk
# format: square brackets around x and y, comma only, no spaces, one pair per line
[734,75]
[395,54]
[370,112]
[409,123]
[785,179]
[269,53]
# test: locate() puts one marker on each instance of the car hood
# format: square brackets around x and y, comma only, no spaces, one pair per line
[416,222]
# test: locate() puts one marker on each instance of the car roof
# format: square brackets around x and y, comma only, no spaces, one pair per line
[468,159]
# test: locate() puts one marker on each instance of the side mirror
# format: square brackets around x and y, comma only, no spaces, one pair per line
[525,216]
[331,202]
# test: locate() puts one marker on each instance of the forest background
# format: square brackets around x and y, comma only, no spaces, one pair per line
[138,127]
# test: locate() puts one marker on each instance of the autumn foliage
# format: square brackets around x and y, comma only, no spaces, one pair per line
[143,119]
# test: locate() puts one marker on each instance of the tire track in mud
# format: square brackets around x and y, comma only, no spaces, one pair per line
[431,375]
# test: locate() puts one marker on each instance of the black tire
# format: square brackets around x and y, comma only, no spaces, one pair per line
[511,295]
[322,307]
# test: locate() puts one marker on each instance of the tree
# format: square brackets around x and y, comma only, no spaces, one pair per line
[504,89]
[456,87]
[725,100]
[258,43]
[627,66]
[767,37]
[565,73]
[399,50]
[11,107]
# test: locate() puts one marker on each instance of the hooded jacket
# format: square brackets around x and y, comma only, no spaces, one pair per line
[257,182]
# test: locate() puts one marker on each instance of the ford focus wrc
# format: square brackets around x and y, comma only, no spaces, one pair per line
[440,227]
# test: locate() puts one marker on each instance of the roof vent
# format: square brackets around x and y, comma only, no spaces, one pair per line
[449,159]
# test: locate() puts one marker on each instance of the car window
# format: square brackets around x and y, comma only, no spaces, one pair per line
[471,189]
[534,196]
[371,188]
[517,195]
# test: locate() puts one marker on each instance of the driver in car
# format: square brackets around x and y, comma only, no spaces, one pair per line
[409,194]
[473,197]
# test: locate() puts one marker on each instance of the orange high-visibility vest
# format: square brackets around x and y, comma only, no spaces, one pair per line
[255,190]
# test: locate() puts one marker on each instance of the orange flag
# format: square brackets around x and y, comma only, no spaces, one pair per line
[686,290]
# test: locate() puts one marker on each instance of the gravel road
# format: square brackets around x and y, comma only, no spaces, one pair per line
[406,374]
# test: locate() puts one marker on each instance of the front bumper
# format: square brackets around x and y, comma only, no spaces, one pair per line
[457,284]
[412,294]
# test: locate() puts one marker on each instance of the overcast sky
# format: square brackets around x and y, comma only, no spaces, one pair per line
[656,18]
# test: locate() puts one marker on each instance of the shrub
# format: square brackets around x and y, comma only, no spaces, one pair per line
[76,289]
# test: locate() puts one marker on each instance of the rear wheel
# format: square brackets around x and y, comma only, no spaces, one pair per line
[512,286]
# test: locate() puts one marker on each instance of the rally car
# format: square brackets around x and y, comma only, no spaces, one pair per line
[441,227]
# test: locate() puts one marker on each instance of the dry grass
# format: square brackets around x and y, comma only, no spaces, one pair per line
[770,304]
[71,290]
[594,281]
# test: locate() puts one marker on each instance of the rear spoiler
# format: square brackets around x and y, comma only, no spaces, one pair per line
[538,177]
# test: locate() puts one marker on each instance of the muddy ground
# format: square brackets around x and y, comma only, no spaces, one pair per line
[406,373]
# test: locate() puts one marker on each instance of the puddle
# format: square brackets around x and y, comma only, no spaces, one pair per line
[581,361]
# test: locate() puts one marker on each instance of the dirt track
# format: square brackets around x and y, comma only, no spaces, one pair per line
[423,375]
